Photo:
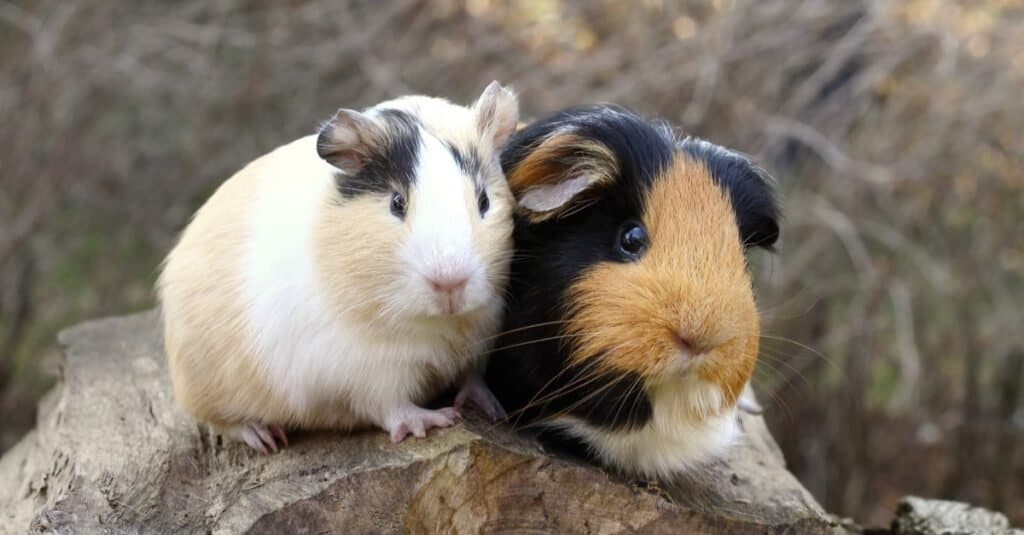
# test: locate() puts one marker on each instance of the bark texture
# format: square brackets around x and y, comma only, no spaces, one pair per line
[920,516]
[113,453]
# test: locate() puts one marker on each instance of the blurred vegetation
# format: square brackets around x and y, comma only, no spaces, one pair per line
[892,358]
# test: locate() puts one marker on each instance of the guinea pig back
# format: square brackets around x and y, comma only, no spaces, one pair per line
[632,327]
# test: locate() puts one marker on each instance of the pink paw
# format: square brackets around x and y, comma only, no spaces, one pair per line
[417,421]
[476,392]
[262,438]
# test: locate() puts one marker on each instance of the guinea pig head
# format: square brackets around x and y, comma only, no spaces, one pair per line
[649,236]
[419,226]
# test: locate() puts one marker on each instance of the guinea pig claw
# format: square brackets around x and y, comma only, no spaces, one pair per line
[266,437]
[476,392]
[280,435]
[262,438]
[399,433]
[254,442]
[416,421]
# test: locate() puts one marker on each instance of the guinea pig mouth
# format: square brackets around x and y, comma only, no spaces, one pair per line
[448,309]
[682,363]
[684,355]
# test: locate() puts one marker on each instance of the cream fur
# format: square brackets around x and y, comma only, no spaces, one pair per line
[285,304]
[689,426]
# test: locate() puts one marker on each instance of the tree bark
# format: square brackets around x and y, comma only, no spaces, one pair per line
[113,453]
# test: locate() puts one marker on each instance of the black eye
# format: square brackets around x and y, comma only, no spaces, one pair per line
[633,240]
[483,202]
[398,205]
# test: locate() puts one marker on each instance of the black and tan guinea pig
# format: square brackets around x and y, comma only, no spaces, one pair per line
[632,329]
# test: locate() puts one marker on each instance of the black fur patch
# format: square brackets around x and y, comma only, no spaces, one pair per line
[528,369]
[530,376]
[468,160]
[470,163]
[393,165]
[750,189]
[642,148]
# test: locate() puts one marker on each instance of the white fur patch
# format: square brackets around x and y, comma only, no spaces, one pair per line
[308,355]
[672,441]
[441,231]
[289,321]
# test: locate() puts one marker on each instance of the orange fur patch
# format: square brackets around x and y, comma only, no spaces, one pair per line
[214,373]
[205,356]
[693,280]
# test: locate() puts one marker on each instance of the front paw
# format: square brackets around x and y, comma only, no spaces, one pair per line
[263,438]
[476,392]
[417,421]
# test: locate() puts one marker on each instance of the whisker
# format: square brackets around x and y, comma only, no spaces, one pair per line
[602,390]
[535,341]
[583,380]
[578,382]
[626,396]
[780,402]
[774,366]
[571,385]
[772,309]
[525,327]
[800,345]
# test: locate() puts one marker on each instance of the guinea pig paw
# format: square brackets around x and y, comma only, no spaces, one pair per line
[417,421]
[262,438]
[476,392]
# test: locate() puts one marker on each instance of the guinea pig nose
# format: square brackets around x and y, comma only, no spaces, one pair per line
[685,345]
[448,284]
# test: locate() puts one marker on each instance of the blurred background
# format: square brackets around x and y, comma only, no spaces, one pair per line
[893,357]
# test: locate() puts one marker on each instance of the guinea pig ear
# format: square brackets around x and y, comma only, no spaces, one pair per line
[348,140]
[751,191]
[497,113]
[560,175]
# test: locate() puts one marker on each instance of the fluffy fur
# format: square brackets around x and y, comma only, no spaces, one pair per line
[637,360]
[297,297]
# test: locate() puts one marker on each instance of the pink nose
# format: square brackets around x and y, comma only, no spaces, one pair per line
[448,284]
[685,344]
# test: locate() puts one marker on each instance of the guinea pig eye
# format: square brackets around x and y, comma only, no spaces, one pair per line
[398,205]
[633,240]
[483,202]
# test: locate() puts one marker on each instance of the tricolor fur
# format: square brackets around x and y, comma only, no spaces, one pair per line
[298,296]
[639,358]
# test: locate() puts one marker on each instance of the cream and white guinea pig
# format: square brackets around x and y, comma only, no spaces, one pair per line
[631,329]
[346,278]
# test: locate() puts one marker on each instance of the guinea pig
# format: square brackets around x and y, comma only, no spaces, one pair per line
[346,278]
[631,329]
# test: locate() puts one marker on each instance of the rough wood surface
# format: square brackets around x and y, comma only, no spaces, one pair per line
[920,516]
[112,453]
